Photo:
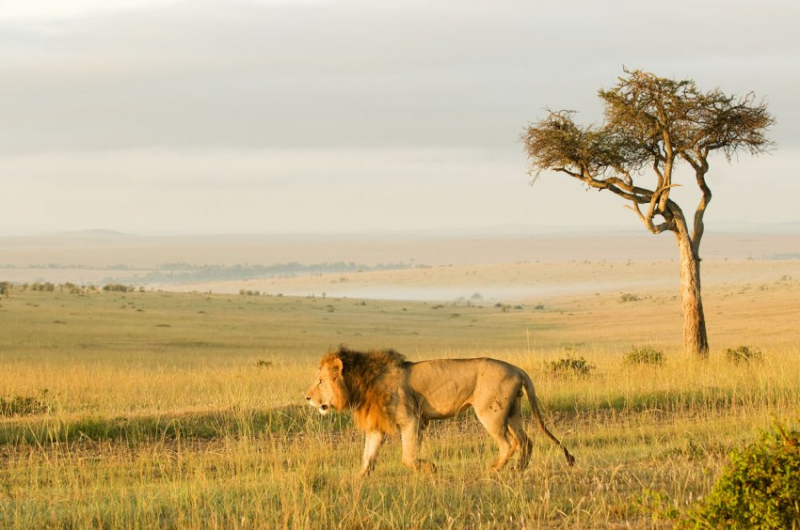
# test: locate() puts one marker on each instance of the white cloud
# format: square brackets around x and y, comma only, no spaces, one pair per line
[33,10]
[154,110]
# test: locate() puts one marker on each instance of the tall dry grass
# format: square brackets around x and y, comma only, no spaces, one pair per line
[188,414]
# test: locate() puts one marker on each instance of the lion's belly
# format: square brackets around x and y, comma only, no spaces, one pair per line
[440,411]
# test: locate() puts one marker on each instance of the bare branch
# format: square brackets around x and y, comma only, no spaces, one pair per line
[648,221]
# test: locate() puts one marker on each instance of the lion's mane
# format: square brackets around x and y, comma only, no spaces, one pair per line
[371,382]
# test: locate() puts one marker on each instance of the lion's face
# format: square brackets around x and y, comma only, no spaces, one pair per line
[328,390]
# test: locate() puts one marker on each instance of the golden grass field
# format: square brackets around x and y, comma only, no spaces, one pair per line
[185,410]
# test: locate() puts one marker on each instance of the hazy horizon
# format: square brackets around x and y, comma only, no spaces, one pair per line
[322,116]
[454,231]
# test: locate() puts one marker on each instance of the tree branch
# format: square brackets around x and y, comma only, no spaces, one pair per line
[648,221]
[699,226]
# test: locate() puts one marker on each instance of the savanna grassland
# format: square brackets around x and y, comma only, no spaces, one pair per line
[158,409]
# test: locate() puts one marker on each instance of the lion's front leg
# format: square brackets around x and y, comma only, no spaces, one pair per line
[373,442]
[411,435]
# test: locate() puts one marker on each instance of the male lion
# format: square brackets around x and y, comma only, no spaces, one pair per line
[388,393]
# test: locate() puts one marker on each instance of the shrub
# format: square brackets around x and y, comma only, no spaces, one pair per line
[743,354]
[759,489]
[571,366]
[646,355]
[628,297]
[70,288]
[117,288]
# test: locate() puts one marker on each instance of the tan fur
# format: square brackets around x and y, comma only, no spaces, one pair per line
[387,393]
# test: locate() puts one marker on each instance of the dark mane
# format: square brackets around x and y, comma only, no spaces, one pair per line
[371,378]
[371,362]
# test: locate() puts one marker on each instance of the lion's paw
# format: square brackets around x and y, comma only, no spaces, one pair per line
[426,467]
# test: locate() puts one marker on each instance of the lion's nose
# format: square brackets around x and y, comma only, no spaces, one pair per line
[308,398]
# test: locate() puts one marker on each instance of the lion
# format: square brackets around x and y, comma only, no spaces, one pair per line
[388,393]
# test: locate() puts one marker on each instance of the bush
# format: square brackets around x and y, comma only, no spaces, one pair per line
[571,366]
[743,354]
[759,489]
[117,288]
[646,355]
[629,297]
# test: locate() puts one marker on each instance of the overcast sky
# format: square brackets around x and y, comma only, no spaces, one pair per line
[160,116]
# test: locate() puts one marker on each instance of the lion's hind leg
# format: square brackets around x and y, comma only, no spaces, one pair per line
[494,418]
[515,428]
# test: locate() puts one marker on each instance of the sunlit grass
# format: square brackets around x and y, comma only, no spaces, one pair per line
[153,409]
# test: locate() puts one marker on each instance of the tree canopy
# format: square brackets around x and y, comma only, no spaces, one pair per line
[650,122]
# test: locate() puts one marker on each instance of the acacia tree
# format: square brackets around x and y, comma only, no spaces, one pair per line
[651,125]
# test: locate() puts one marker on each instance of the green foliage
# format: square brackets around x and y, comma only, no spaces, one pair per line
[759,489]
[655,504]
[743,354]
[629,297]
[571,366]
[646,355]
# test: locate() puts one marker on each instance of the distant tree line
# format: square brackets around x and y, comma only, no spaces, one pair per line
[45,287]
[186,273]
[48,287]
[172,273]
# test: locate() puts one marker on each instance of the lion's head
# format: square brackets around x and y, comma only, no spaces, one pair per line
[329,388]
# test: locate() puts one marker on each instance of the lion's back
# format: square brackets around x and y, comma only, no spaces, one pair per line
[444,387]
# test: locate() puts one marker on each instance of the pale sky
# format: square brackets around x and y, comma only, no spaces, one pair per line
[168,116]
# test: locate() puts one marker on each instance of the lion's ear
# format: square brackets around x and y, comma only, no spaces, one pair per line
[337,366]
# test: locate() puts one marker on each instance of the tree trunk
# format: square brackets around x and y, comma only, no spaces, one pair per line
[695,339]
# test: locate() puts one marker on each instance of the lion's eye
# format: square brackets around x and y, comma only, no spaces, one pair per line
[320,383]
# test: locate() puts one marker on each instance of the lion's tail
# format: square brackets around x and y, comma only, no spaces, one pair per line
[537,415]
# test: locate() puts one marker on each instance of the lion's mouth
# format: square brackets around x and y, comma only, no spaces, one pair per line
[323,409]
